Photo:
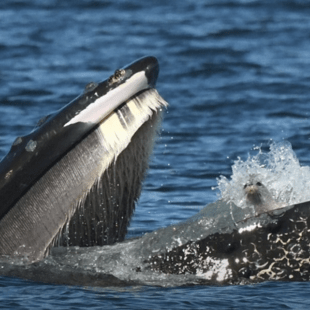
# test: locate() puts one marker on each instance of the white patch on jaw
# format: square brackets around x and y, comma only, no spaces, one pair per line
[249,228]
[218,267]
[104,105]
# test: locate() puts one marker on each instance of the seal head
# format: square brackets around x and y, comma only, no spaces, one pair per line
[258,195]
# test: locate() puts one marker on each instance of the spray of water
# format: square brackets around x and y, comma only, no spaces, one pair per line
[279,170]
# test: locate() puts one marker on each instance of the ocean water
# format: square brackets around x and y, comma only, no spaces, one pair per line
[236,75]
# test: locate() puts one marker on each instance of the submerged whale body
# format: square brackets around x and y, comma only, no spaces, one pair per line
[216,246]
[75,178]
[274,245]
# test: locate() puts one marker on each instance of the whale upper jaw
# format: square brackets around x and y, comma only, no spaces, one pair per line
[122,85]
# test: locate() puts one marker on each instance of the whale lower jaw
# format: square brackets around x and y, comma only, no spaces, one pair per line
[88,196]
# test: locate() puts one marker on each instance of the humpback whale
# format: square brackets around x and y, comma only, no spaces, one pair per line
[75,178]
[108,133]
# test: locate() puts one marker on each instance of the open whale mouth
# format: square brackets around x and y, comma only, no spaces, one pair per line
[75,178]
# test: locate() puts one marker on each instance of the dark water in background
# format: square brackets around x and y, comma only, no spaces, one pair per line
[236,74]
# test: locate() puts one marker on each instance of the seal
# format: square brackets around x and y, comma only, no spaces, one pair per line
[257,195]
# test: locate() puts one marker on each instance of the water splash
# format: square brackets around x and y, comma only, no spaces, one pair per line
[279,170]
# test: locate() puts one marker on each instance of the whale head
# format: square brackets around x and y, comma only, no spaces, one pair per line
[75,178]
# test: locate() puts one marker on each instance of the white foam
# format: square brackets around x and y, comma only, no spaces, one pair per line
[279,170]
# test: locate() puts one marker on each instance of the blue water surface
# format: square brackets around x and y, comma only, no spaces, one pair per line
[236,74]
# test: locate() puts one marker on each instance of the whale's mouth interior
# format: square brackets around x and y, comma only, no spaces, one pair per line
[127,138]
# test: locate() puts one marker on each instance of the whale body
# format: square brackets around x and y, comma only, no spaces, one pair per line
[219,245]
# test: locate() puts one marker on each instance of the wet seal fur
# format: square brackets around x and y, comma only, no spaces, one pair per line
[258,196]
[75,178]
